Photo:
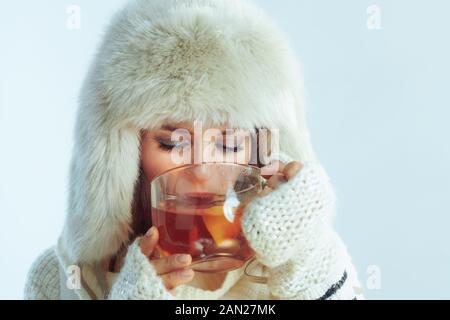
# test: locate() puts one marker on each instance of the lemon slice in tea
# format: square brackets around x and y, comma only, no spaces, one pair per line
[219,225]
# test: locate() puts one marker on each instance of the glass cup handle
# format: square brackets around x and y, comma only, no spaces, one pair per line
[253,278]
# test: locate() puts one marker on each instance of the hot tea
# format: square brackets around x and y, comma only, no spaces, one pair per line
[205,227]
[198,209]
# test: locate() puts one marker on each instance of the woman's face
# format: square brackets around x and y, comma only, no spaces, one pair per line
[174,145]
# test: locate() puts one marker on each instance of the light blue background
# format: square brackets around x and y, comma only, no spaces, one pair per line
[378,110]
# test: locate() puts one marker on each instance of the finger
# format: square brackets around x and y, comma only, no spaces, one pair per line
[271,169]
[157,252]
[275,181]
[265,191]
[174,262]
[149,241]
[176,278]
[291,169]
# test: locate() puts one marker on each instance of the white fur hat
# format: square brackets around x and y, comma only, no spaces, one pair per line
[217,61]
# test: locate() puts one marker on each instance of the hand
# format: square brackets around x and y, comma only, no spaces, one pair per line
[172,269]
[277,173]
[297,200]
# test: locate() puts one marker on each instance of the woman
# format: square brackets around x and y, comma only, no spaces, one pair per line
[163,65]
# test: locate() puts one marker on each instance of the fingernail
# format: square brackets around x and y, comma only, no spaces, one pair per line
[150,232]
[183,258]
[186,273]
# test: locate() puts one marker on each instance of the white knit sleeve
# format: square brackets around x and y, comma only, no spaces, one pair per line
[291,232]
[137,280]
[43,278]
[323,271]
[280,223]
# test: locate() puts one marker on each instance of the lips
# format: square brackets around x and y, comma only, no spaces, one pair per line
[198,199]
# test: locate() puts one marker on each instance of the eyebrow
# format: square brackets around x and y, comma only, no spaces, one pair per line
[169,127]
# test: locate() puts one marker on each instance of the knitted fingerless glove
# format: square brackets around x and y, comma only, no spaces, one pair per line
[137,280]
[278,224]
[291,233]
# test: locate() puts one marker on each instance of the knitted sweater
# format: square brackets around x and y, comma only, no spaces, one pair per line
[289,229]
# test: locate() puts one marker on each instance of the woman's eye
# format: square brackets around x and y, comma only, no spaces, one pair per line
[169,145]
[166,146]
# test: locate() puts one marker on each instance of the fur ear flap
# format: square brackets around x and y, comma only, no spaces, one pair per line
[103,174]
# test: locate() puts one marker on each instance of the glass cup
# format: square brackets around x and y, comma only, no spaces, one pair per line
[197,210]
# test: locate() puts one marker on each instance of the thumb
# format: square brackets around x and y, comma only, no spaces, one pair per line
[149,240]
[272,169]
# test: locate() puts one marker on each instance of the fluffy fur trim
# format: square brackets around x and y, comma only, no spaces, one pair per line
[217,61]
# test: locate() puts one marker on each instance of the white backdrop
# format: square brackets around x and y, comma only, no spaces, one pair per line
[378,108]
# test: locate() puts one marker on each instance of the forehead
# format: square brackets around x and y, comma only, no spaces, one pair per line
[198,126]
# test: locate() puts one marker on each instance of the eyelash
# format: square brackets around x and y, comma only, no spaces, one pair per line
[169,147]
[166,146]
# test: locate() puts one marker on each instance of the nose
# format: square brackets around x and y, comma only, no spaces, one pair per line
[202,172]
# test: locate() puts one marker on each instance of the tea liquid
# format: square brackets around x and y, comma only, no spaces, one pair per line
[201,227]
